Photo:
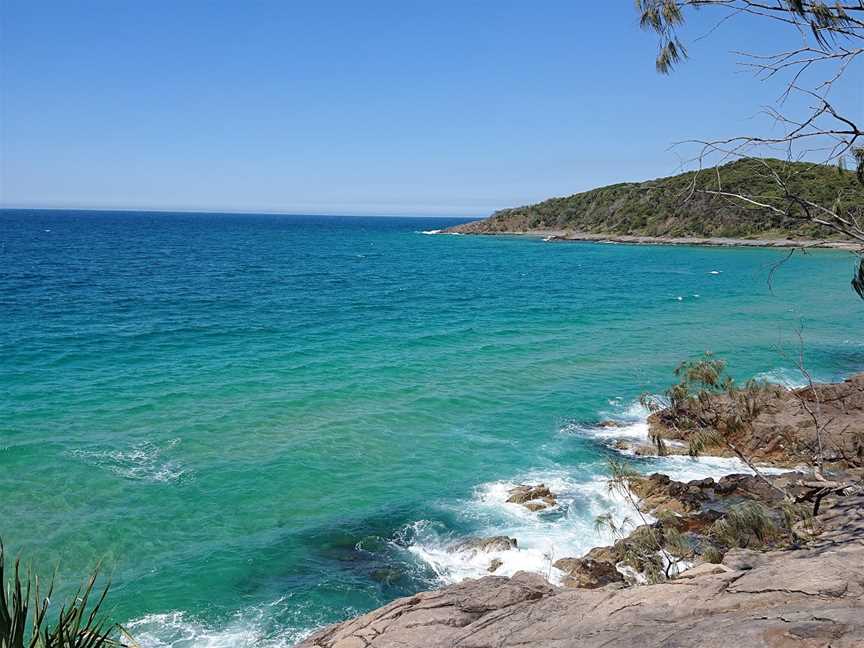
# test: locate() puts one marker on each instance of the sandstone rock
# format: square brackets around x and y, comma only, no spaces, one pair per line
[659,494]
[604,554]
[748,486]
[784,432]
[588,573]
[535,506]
[494,543]
[534,498]
[494,565]
[645,451]
[743,559]
[524,493]
[704,569]
[693,522]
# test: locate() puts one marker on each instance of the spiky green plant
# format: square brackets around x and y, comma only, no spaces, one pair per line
[712,555]
[654,549]
[747,525]
[24,619]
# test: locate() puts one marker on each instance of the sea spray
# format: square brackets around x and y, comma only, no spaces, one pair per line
[568,529]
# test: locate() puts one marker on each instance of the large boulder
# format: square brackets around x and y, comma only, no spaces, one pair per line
[588,573]
[660,494]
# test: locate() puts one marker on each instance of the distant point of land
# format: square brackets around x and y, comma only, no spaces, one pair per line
[676,209]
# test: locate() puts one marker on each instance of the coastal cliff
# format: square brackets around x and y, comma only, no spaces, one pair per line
[761,568]
[668,210]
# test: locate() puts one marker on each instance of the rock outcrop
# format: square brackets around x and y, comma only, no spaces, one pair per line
[813,596]
[494,543]
[533,497]
[784,431]
[588,572]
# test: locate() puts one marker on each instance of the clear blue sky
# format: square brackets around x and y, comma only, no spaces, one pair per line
[388,107]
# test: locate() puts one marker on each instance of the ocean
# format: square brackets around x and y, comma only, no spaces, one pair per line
[261,424]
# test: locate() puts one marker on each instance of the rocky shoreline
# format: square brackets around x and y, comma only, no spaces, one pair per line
[751,560]
[813,596]
[633,239]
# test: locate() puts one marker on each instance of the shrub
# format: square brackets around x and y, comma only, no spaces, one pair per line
[747,525]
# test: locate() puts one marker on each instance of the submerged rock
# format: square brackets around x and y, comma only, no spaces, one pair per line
[386,575]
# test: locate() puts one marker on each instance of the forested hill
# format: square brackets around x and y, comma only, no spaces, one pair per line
[668,207]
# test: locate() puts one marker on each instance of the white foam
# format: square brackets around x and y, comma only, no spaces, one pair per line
[254,627]
[685,468]
[633,431]
[438,231]
[630,423]
[568,530]
[141,462]
[543,537]
[786,377]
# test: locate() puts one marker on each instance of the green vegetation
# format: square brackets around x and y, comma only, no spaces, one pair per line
[24,619]
[679,206]
[747,525]
[707,405]
[654,550]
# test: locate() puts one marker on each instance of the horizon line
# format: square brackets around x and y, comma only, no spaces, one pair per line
[159,210]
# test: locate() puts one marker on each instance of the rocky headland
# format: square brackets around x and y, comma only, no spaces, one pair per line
[749,560]
[682,209]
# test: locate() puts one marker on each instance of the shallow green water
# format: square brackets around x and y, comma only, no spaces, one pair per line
[260,424]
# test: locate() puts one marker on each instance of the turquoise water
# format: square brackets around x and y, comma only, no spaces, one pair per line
[261,424]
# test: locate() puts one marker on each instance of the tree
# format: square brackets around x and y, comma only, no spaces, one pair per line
[826,41]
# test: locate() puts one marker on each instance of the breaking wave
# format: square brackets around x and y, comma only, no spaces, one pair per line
[259,627]
[566,530]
